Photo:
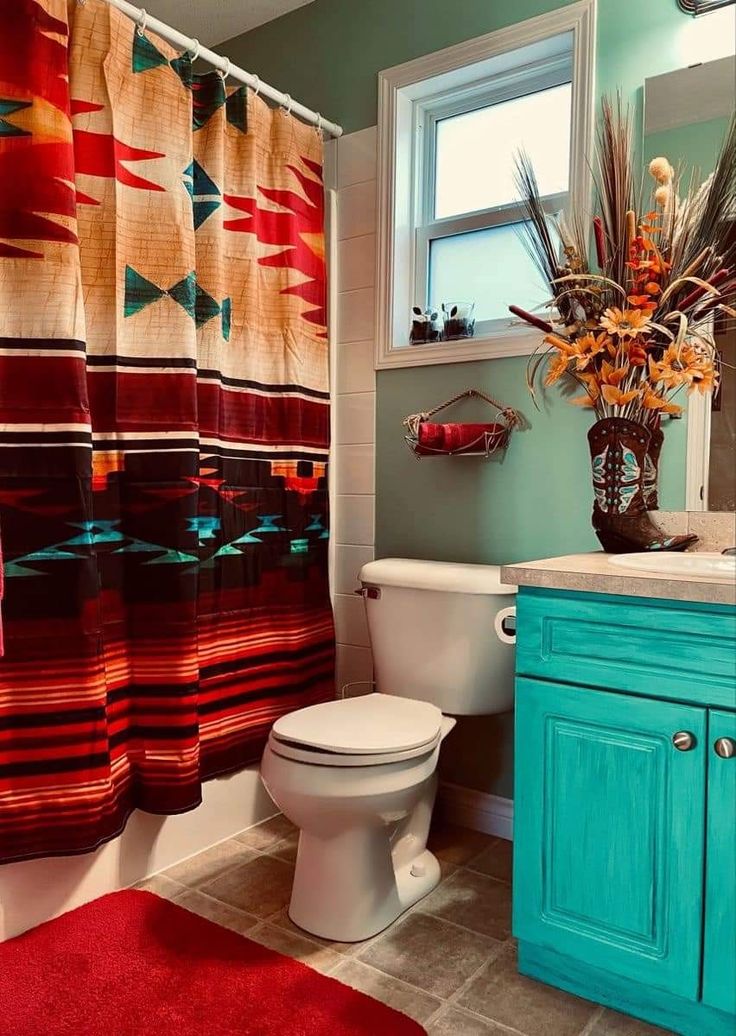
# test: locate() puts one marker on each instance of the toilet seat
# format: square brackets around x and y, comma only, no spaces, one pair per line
[371,730]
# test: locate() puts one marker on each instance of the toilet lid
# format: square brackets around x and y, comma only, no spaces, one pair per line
[366,725]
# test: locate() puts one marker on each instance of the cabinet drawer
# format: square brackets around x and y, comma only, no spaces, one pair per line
[662,649]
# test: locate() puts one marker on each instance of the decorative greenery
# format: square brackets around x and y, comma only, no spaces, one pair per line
[637,329]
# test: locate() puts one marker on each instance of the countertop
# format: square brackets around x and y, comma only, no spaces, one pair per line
[593,573]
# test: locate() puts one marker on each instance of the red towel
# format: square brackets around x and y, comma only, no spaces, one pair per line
[458,438]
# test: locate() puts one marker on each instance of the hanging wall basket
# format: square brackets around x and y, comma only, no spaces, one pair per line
[427,438]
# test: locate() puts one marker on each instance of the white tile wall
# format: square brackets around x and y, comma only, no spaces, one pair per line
[355,367]
[356,418]
[354,167]
[356,258]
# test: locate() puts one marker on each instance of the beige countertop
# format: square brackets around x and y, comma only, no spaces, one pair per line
[593,573]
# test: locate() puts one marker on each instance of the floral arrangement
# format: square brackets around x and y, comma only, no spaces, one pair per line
[635,329]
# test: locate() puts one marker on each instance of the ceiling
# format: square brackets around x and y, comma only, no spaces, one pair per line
[212,21]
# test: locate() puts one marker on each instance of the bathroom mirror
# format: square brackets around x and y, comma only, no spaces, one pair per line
[686,114]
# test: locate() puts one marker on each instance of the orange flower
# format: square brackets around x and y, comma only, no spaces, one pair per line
[592,384]
[613,375]
[651,401]
[557,367]
[637,354]
[588,347]
[613,395]
[625,323]
[705,379]
[642,302]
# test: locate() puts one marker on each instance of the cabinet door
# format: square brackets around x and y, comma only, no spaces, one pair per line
[609,832]
[719,971]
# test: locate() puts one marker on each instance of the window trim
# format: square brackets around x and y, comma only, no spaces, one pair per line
[407,97]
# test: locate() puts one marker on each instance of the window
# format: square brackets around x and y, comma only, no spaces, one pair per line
[468,237]
[449,222]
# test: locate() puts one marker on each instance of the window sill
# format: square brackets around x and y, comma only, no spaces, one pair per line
[484,347]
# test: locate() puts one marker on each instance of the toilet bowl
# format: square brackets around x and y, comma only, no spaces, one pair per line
[363,806]
[358,776]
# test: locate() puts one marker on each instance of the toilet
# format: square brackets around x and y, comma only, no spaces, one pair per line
[358,776]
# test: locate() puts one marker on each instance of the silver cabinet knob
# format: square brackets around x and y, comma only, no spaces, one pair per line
[725,747]
[683,740]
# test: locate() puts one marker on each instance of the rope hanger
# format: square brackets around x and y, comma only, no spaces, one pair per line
[509,415]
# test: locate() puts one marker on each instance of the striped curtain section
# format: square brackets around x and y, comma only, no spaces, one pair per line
[164,426]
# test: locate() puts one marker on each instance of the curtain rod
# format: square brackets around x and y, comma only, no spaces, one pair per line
[178,39]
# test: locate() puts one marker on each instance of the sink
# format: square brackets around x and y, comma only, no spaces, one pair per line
[705,563]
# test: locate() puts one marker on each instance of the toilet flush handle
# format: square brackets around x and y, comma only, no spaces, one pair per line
[505,625]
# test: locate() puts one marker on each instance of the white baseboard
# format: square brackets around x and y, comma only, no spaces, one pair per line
[491,814]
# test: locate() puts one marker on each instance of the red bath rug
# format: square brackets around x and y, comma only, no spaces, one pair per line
[131,964]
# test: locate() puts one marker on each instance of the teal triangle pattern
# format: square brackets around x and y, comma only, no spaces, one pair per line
[183,68]
[194,300]
[10,107]
[12,570]
[236,108]
[203,183]
[203,191]
[185,293]
[226,312]
[139,292]
[188,175]
[203,210]
[145,54]
[173,557]
[139,547]
[205,307]
[208,95]
[96,531]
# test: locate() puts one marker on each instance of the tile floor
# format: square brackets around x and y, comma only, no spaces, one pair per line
[449,962]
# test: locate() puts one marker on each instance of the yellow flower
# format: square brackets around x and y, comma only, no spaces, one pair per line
[626,323]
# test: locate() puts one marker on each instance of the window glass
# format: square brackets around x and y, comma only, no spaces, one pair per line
[475,151]
[488,267]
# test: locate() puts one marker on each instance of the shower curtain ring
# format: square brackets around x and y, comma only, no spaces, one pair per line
[257,87]
[287,106]
[319,124]
[195,49]
[225,72]
[140,27]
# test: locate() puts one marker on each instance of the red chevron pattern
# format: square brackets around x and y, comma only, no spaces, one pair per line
[164,429]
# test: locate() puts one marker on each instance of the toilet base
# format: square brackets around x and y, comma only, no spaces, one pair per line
[338,911]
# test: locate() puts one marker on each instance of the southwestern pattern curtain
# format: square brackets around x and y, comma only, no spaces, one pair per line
[164,426]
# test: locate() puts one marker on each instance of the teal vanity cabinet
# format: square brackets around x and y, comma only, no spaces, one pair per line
[625,804]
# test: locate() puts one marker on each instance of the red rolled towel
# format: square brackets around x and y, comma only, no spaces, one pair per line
[458,438]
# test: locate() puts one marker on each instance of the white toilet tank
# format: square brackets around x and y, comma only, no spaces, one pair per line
[442,632]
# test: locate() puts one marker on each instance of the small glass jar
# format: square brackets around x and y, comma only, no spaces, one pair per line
[425,326]
[459,320]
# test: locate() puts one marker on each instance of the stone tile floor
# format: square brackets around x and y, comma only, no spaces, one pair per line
[449,962]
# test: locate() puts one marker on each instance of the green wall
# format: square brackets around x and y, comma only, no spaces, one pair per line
[537,501]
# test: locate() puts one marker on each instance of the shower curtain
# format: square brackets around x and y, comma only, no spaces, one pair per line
[164,426]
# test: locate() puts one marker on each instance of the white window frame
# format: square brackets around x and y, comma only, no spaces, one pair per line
[412,98]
